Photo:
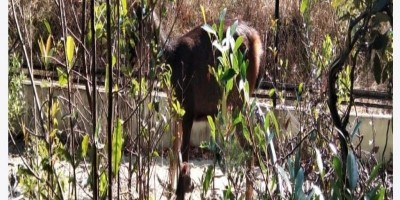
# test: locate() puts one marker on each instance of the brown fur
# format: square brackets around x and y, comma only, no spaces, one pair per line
[197,90]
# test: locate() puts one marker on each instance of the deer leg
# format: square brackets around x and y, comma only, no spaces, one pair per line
[185,184]
[187,124]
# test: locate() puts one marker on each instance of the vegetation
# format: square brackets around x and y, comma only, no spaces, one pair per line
[110,132]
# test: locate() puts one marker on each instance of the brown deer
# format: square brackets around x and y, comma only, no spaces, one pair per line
[197,89]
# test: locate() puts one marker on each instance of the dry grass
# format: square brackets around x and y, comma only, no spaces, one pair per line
[260,14]
[295,41]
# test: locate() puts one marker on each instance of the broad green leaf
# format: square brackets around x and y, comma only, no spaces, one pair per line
[117,142]
[229,74]
[124,8]
[70,50]
[238,43]
[229,85]
[103,184]
[84,145]
[374,173]
[62,77]
[352,170]
[208,178]
[221,23]
[337,188]
[238,118]
[222,15]
[212,126]
[47,25]
[377,193]
[220,49]
[271,92]
[233,29]
[304,5]
[337,165]
[298,190]
[208,29]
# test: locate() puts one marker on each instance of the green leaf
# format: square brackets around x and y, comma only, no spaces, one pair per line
[47,25]
[229,74]
[229,86]
[62,77]
[70,50]
[238,43]
[212,126]
[352,170]
[337,188]
[208,29]
[238,118]
[299,184]
[222,15]
[377,193]
[84,145]
[117,142]
[124,9]
[301,87]
[337,165]
[208,178]
[304,5]
[103,184]
[221,23]
[374,173]
[271,92]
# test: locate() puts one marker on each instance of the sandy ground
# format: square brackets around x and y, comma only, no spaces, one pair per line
[159,171]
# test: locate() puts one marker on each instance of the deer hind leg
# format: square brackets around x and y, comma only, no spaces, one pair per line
[187,124]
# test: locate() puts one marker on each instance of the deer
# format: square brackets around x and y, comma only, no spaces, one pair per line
[196,88]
